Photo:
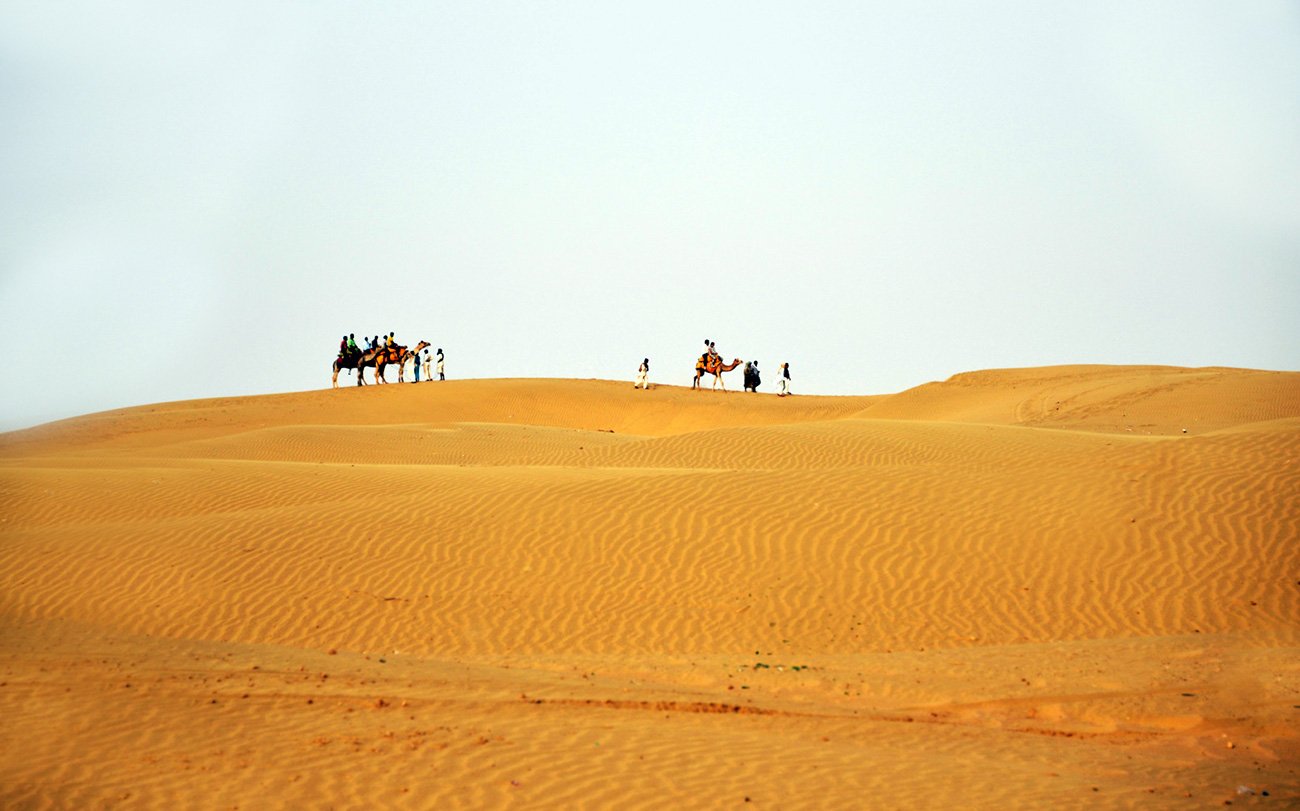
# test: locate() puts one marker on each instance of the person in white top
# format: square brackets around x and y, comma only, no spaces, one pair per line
[425,361]
[642,375]
[783,381]
[441,369]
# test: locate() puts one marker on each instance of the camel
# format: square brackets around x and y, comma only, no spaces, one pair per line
[358,362]
[715,367]
[398,355]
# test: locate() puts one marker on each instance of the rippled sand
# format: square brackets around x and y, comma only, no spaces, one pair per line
[1015,588]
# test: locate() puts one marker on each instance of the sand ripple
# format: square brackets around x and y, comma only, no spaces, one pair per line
[1008,585]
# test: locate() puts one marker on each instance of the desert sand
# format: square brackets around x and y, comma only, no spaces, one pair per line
[1033,588]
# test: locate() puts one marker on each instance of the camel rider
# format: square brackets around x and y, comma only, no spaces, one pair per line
[343,347]
[389,343]
[352,345]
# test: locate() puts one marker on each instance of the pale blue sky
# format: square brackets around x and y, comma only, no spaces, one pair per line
[199,199]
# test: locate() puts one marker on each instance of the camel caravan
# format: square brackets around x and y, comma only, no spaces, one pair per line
[378,355]
[384,351]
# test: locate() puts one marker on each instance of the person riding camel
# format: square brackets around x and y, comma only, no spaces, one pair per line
[352,345]
[343,347]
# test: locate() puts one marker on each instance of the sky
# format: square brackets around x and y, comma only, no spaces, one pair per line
[200,199]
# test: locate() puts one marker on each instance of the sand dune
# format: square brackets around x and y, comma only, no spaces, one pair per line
[1013,588]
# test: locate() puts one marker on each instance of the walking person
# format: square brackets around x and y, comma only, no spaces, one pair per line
[642,375]
[427,376]
[783,381]
[441,368]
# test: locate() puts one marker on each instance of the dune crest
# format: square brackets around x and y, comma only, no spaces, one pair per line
[1012,588]
[1147,400]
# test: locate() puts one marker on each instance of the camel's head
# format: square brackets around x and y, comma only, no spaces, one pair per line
[419,347]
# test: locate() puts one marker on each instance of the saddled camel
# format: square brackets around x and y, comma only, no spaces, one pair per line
[359,362]
[398,355]
[715,367]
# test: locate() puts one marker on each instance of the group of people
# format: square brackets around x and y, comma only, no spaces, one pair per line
[424,359]
[752,379]
[348,348]
[711,359]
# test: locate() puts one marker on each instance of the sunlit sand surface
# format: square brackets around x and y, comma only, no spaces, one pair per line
[1059,587]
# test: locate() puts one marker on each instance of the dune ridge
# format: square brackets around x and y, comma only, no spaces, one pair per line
[1007,589]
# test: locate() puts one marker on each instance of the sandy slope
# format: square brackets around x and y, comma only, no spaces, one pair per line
[1014,588]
